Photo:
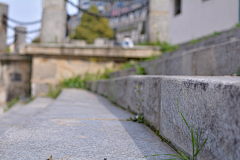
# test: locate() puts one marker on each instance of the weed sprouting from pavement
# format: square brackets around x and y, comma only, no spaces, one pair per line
[139,117]
[196,142]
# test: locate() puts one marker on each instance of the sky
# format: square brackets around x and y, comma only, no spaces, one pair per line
[27,11]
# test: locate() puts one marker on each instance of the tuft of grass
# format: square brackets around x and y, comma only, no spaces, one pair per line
[165,46]
[140,70]
[11,103]
[197,145]
[53,93]
[204,38]
[236,26]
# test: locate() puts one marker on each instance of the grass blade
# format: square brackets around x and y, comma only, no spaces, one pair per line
[183,116]
[164,155]
[193,143]
[201,147]
[183,155]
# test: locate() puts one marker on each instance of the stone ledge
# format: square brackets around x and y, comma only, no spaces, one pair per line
[211,103]
[75,50]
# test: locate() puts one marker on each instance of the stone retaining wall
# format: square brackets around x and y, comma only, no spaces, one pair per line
[215,56]
[210,103]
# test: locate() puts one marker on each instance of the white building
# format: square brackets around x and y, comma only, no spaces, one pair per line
[193,19]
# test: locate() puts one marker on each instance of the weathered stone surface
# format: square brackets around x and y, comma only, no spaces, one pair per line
[50,71]
[19,113]
[20,38]
[15,74]
[90,51]
[39,89]
[211,103]
[3,30]
[54,18]
[81,125]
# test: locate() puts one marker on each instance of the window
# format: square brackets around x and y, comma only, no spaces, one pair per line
[178,7]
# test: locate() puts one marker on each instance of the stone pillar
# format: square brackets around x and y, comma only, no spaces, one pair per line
[53,21]
[158,20]
[20,38]
[3,29]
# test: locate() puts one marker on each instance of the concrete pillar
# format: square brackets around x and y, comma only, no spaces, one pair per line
[3,29]
[20,38]
[158,20]
[53,21]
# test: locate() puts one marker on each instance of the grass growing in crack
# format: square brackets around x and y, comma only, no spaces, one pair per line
[11,103]
[196,142]
[139,117]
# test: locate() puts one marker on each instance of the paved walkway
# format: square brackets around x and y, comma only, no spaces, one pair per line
[19,113]
[81,125]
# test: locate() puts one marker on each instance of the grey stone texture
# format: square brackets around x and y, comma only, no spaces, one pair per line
[54,18]
[15,72]
[3,29]
[81,125]
[158,20]
[20,38]
[20,112]
[210,103]
[216,60]
[213,56]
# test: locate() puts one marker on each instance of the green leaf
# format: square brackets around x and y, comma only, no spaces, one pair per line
[201,147]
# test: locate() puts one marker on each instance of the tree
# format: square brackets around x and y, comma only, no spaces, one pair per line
[92,27]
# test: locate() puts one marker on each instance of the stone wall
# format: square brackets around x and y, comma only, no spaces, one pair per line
[210,103]
[15,75]
[216,56]
[49,71]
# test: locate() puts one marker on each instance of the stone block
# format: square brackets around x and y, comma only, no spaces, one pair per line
[187,63]
[133,97]
[20,38]
[54,18]
[205,62]
[174,65]
[93,86]
[44,68]
[227,58]
[152,100]
[39,89]
[3,30]
[210,103]
[120,94]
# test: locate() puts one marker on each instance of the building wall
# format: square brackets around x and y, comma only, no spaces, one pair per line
[200,18]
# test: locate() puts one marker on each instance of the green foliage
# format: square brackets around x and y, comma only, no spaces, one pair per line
[165,46]
[236,26]
[8,50]
[53,93]
[204,38]
[36,40]
[128,64]
[78,82]
[92,27]
[140,70]
[11,103]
